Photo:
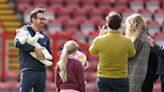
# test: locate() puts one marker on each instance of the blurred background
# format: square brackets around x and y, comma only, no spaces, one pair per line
[69,19]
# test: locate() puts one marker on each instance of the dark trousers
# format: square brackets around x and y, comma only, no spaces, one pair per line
[113,84]
[32,79]
[162,82]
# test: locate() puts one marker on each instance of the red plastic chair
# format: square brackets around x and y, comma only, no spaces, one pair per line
[107,3]
[80,12]
[146,14]
[21,7]
[87,26]
[88,3]
[152,5]
[65,11]
[123,3]
[55,26]
[136,5]
[72,3]
[158,15]
[153,27]
[23,1]
[97,12]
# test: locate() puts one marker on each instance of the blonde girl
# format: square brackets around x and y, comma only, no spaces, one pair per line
[69,71]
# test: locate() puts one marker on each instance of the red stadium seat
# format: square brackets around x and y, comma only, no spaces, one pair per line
[107,3]
[86,3]
[55,26]
[158,15]
[55,2]
[97,12]
[21,7]
[65,11]
[12,75]
[23,1]
[92,35]
[152,5]
[153,27]
[136,5]
[146,14]
[40,1]
[105,9]
[87,26]
[126,13]
[71,31]
[71,24]
[80,19]
[41,5]
[72,3]
[80,12]
[80,36]
[123,3]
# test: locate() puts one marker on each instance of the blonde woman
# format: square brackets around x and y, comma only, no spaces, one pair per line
[137,30]
[69,71]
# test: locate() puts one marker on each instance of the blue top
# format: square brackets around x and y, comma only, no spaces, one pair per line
[27,62]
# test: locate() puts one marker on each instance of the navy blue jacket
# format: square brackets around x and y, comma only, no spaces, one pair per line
[25,59]
[159,50]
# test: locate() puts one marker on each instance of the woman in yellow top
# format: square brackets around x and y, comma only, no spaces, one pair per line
[113,50]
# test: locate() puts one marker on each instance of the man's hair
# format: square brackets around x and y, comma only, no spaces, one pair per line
[114,20]
[35,12]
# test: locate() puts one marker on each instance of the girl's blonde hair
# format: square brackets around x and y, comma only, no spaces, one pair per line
[135,25]
[70,47]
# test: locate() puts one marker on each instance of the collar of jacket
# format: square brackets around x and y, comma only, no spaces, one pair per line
[111,31]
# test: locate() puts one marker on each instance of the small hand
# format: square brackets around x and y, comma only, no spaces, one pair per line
[39,53]
[151,41]
[102,30]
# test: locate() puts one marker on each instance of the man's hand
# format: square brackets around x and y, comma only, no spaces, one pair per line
[151,41]
[39,53]
[102,30]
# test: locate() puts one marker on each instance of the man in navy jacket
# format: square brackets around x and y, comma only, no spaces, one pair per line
[158,50]
[33,72]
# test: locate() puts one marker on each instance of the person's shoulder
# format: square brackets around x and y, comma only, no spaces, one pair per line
[74,60]
[26,27]
[126,38]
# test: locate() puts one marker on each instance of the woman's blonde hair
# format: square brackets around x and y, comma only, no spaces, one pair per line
[135,25]
[69,47]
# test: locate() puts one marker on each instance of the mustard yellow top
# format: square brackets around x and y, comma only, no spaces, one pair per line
[113,50]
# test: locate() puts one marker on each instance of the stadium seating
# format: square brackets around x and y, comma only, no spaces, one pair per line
[136,5]
[153,27]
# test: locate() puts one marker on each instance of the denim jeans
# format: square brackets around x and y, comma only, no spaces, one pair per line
[32,79]
[113,84]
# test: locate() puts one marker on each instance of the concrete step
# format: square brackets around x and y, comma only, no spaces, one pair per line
[8,17]
[9,23]
[11,29]
[6,12]
[3,1]
[4,6]
[14,66]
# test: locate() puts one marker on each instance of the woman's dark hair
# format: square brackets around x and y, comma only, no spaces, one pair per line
[114,20]
[35,12]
